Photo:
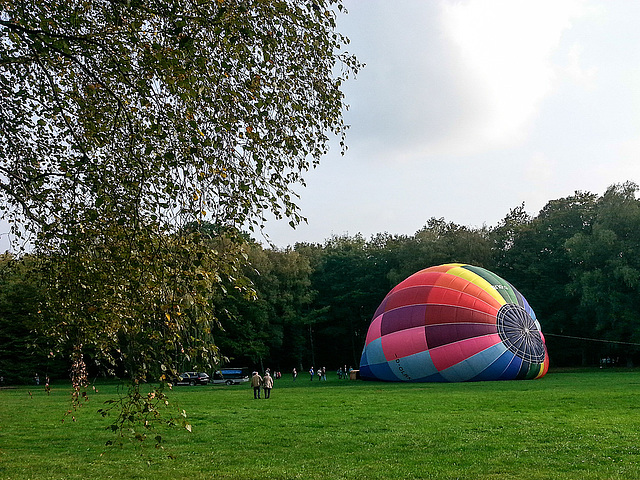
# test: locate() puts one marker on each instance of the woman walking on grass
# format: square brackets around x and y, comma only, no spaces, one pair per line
[267,385]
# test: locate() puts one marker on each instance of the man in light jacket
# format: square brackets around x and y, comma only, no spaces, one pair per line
[256,381]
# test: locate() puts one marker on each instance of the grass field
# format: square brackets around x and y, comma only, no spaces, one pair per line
[580,425]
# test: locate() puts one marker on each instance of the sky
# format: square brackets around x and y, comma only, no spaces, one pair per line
[467,109]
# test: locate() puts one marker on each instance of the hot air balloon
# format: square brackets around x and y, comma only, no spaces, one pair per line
[454,323]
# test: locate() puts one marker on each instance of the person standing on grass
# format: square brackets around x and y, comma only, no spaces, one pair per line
[267,385]
[295,374]
[256,381]
[311,373]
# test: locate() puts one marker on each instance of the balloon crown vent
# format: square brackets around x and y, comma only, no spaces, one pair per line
[520,334]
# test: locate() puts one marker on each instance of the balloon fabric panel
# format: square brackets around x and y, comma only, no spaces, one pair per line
[533,371]
[374,352]
[448,355]
[448,314]
[413,367]
[501,286]
[402,318]
[444,334]
[470,288]
[459,372]
[513,369]
[380,371]
[496,368]
[477,280]
[404,342]
[411,295]
[445,296]
[375,330]
[474,365]
[545,368]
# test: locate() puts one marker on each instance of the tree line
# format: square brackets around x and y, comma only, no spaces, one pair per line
[310,304]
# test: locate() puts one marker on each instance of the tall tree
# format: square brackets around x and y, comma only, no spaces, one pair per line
[268,330]
[350,278]
[122,122]
[20,356]
[606,272]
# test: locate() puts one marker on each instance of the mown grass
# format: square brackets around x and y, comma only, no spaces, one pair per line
[565,426]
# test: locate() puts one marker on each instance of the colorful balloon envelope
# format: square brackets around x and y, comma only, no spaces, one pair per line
[454,323]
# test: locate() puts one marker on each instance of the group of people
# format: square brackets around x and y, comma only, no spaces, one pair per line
[344,373]
[321,372]
[265,383]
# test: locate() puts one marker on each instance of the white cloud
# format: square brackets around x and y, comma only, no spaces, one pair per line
[505,49]
[455,77]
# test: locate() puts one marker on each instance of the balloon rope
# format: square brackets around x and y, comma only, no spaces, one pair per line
[591,339]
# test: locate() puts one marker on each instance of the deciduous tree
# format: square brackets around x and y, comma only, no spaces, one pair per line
[124,121]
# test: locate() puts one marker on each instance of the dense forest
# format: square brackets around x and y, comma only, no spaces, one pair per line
[577,262]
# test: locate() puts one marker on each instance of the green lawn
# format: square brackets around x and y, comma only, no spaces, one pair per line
[582,425]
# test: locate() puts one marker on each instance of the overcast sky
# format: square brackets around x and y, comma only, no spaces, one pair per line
[467,109]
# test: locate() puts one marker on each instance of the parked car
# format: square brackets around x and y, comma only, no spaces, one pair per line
[193,378]
[230,376]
